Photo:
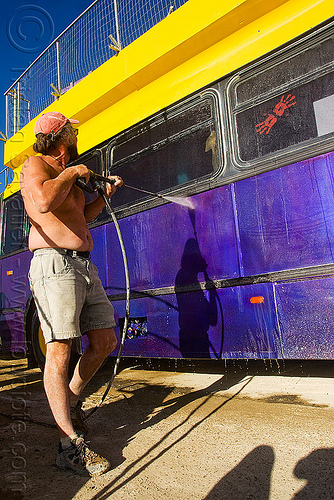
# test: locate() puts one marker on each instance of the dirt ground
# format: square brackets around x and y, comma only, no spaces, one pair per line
[244,431]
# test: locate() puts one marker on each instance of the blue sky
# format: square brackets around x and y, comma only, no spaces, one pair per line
[27,28]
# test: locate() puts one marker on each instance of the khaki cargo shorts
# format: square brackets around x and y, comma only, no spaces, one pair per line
[69,295]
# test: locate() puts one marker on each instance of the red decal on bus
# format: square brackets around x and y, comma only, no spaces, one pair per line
[281,106]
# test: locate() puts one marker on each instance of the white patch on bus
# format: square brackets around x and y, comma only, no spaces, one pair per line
[324,115]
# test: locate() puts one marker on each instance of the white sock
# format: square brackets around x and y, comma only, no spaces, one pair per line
[66,441]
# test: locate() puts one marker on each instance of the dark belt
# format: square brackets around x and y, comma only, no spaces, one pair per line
[77,253]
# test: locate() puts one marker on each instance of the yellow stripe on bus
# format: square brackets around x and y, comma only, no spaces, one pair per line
[188,50]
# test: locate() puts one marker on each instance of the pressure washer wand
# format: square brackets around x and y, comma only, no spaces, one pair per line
[144,191]
[179,200]
[112,181]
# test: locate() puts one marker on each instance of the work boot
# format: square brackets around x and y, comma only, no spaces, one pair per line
[81,459]
[78,419]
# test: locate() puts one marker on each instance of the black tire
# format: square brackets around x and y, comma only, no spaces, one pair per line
[39,348]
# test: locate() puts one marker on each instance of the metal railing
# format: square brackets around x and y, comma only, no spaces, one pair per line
[101,31]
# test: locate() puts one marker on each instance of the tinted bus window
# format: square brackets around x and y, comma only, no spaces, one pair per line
[286,120]
[167,151]
[285,72]
[14,235]
[285,105]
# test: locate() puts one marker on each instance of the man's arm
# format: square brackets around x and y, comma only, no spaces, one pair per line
[47,193]
[94,208]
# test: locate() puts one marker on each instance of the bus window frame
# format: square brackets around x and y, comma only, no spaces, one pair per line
[188,188]
[297,152]
[87,155]
[24,226]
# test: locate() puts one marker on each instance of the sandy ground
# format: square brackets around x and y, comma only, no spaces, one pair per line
[245,432]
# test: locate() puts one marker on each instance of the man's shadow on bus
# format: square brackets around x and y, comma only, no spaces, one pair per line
[196,312]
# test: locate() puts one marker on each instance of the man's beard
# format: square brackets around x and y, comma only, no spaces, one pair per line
[73,152]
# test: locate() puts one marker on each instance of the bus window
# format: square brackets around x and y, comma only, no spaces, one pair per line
[164,152]
[14,234]
[284,105]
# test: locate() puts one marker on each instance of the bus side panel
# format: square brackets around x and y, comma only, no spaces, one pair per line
[11,328]
[15,290]
[286,217]
[305,311]
[161,339]
[172,245]
[15,285]
[175,329]
[99,253]
[249,322]
[205,324]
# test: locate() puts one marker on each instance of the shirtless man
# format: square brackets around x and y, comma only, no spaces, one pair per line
[68,293]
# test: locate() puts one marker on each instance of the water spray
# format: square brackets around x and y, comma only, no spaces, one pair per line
[180,200]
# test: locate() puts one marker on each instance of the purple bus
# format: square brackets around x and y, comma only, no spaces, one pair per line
[248,272]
